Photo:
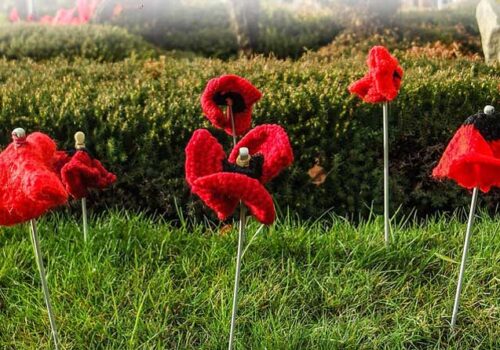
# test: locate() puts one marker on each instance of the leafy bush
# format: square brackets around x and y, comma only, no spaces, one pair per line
[101,43]
[206,29]
[139,115]
[452,29]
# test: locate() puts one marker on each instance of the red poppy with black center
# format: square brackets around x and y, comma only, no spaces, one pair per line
[28,185]
[234,90]
[80,172]
[222,184]
[472,157]
[383,80]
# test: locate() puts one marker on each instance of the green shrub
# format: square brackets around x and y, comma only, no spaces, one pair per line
[455,27]
[206,29]
[101,43]
[139,115]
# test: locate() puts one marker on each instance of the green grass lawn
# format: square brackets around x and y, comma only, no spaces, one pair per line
[141,283]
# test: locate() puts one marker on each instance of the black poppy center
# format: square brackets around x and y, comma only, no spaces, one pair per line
[254,169]
[396,75]
[487,125]
[220,98]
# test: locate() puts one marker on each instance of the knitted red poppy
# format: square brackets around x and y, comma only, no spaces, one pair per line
[28,185]
[222,184]
[80,173]
[230,89]
[472,158]
[383,80]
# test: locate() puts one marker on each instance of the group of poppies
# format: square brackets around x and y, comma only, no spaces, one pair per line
[472,158]
[79,14]
[35,177]
[219,180]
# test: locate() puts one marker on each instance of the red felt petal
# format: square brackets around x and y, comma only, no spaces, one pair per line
[83,173]
[59,160]
[469,160]
[28,185]
[383,80]
[361,87]
[204,156]
[272,142]
[229,84]
[223,191]
[495,148]
[106,178]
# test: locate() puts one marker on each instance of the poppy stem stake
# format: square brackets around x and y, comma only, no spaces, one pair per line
[241,241]
[43,278]
[80,145]
[243,160]
[385,110]
[230,116]
[470,222]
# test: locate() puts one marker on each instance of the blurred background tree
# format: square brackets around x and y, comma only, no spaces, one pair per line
[245,22]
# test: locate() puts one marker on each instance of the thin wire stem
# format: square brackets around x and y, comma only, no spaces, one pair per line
[241,242]
[386,173]
[470,222]
[43,278]
[84,216]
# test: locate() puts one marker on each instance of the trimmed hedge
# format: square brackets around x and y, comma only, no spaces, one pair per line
[97,42]
[205,28]
[140,115]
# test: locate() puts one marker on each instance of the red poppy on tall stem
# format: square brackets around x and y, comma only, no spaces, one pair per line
[236,92]
[80,172]
[383,80]
[472,157]
[28,185]
[222,184]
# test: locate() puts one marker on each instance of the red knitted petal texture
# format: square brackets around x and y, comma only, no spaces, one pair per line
[272,142]
[204,156]
[383,80]
[28,185]
[60,159]
[83,173]
[470,160]
[223,191]
[243,95]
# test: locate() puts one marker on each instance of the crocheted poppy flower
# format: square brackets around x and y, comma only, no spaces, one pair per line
[233,90]
[28,185]
[221,183]
[383,80]
[80,172]
[472,158]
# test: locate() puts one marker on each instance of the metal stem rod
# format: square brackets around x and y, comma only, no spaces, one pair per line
[470,222]
[386,172]
[241,239]
[230,116]
[41,268]
[84,215]
[241,242]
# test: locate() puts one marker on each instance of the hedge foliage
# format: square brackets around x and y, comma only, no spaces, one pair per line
[96,42]
[139,115]
[205,28]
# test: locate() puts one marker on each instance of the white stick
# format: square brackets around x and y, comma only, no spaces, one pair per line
[84,215]
[41,268]
[464,256]
[231,117]
[80,145]
[386,172]
[241,242]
